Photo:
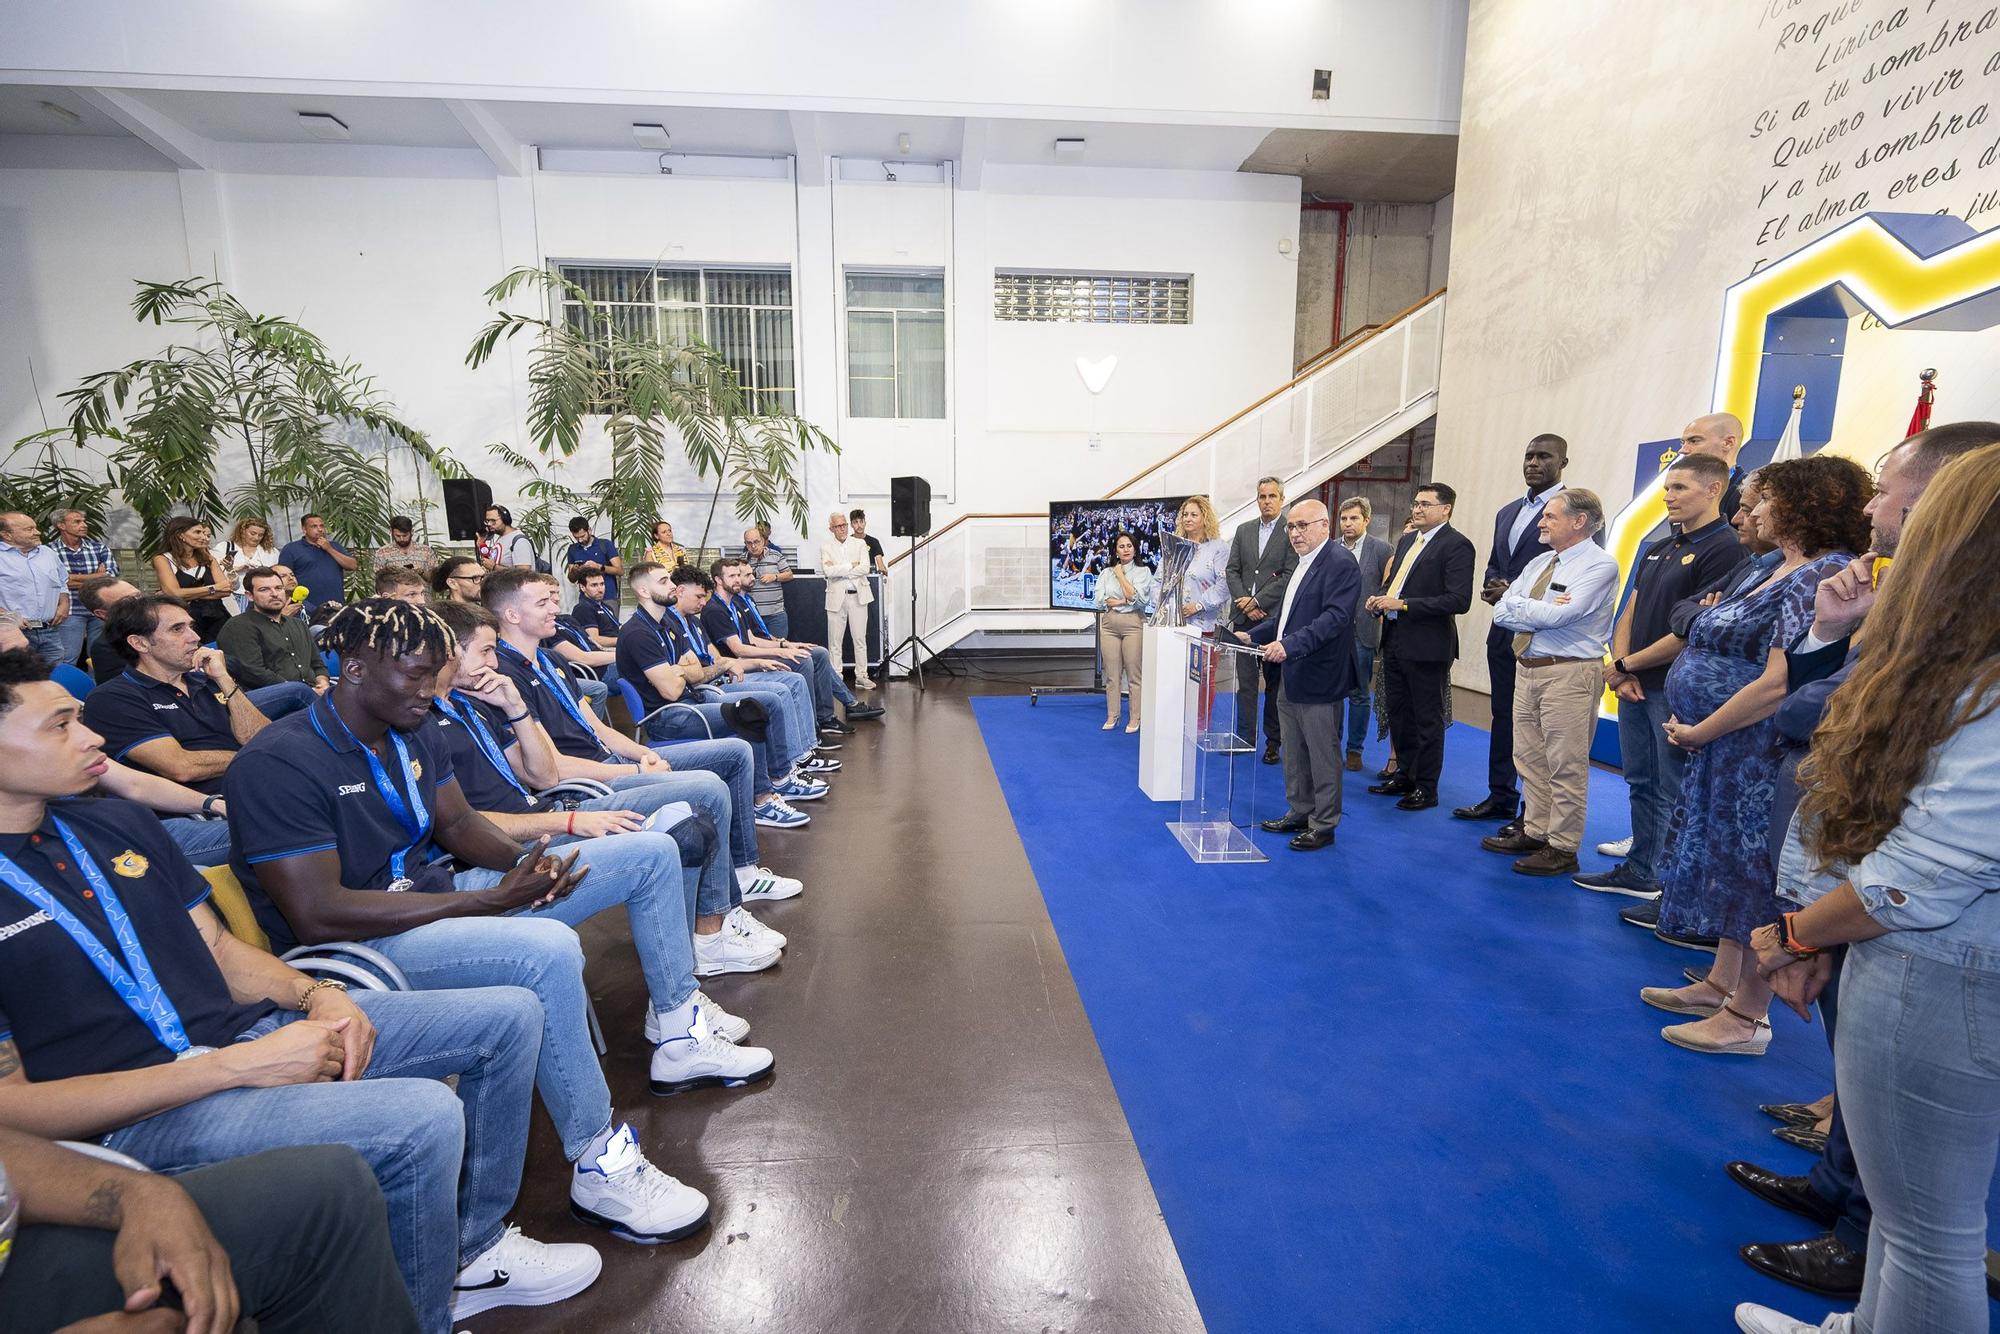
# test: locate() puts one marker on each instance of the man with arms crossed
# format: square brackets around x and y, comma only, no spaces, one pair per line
[1261,563]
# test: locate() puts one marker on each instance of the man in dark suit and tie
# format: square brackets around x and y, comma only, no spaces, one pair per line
[1312,638]
[1429,587]
[1371,553]
[1260,564]
[1516,541]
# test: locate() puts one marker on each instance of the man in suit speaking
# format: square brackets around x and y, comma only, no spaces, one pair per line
[1312,638]
[1430,586]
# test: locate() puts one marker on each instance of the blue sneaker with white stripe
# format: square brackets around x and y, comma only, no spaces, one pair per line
[800,788]
[773,813]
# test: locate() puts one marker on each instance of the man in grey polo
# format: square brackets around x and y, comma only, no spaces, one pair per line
[770,571]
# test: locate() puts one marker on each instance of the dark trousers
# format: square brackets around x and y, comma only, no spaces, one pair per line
[307,1235]
[1501,781]
[1415,697]
[1835,1178]
[1249,673]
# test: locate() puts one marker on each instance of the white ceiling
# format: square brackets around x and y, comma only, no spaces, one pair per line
[1343,164]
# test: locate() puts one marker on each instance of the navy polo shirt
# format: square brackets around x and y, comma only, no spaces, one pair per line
[718,624]
[485,788]
[576,739]
[643,643]
[54,1004]
[1677,566]
[600,549]
[590,614]
[133,708]
[291,793]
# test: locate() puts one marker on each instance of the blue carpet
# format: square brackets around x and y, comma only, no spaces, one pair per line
[1392,1085]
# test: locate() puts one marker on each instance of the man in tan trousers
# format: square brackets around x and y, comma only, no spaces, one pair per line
[843,562]
[1560,610]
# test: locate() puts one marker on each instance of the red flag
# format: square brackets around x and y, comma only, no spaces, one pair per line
[1920,420]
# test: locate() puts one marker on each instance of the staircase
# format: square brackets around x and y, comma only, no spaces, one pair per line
[990,572]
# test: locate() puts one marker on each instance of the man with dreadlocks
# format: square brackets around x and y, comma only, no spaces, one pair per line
[339,815]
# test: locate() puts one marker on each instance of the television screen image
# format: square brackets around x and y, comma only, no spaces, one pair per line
[1080,533]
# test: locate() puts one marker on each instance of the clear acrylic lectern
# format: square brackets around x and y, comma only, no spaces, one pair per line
[1218,774]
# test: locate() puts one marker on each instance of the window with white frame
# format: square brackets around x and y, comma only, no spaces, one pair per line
[1092,298]
[895,344]
[745,314]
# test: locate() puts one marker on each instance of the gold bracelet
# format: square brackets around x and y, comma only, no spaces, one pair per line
[305,997]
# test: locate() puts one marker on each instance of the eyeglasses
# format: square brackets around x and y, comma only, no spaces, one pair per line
[1300,525]
[1427,504]
[469,578]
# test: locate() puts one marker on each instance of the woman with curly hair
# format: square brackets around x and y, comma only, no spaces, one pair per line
[1192,589]
[1722,692]
[1893,852]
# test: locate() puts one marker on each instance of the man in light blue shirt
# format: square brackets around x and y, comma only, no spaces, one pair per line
[1560,612]
[34,585]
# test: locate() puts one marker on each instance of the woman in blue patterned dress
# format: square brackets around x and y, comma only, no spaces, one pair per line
[1723,690]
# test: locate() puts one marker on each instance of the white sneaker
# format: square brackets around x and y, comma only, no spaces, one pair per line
[520,1271]
[620,1190]
[743,924]
[702,1058]
[1621,849]
[1754,1319]
[761,882]
[729,951]
[719,1019]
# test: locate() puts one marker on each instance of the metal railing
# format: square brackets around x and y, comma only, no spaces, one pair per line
[991,571]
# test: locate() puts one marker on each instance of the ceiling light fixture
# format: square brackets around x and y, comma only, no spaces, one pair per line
[652,136]
[322,126]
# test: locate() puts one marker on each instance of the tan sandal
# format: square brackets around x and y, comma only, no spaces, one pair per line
[1756,1044]
[1668,999]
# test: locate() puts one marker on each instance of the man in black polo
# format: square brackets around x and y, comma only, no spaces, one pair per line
[264,646]
[592,614]
[1700,549]
[732,624]
[175,711]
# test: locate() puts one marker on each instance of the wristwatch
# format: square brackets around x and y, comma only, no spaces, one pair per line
[1618,665]
[1790,942]
[208,803]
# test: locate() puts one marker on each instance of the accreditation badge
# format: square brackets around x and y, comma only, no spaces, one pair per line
[130,864]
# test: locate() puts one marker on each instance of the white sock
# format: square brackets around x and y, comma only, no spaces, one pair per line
[675,1023]
[599,1142]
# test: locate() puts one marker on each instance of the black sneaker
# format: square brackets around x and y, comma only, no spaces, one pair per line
[1707,943]
[863,712]
[1645,916]
[837,727]
[1618,880]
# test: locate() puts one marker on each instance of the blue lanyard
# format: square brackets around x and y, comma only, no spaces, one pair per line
[694,637]
[416,820]
[466,714]
[743,601]
[131,976]
[556,687]
[735,617]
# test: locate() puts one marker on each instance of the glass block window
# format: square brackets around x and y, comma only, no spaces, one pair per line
[744,314]
[1092,298]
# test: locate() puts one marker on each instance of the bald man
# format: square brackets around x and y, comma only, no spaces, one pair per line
[843,561]
[1720,435]
[1312,639]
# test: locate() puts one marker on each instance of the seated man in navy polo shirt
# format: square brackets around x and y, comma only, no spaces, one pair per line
[129,1016]
[524,602]
[733,624]
[504,761]
[592,614]
[176,711]
[339,816]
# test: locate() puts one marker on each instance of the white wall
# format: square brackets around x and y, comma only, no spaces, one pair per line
[386,253]
[1617,172]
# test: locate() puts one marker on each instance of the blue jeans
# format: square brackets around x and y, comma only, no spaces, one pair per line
[827,685]
[1835,1178]
[596,695]
[730,759]
[448,1166]
[1653,768]
[51,642]
[206,842]
[703,722]
[1917,1070]
[276,701]
[1357,703]
[715,891]
[789,699]
[777,622]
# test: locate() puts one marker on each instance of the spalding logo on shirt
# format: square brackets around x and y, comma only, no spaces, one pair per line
[349,789]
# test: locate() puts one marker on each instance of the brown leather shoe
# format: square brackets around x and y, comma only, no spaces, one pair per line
[1517,843]
[1354,761]
[1549,861]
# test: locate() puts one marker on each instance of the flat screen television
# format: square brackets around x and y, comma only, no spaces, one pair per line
[1080,534]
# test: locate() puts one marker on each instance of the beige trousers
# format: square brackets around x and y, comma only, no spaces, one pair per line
[1121,639]
[1555,716]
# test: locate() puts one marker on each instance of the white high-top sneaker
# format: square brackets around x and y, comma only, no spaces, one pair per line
[741,922]
[719,1019]
[519,1271]
[698,1058]
[617,1188]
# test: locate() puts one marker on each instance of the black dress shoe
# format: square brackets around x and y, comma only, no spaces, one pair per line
[1393,786]
[1513,828]
[1385,773]
[1488,809]
[1791,1113]
[1418,800]
[1819,1264]
[1284,824]
[1312,840]
[1792,1194]
[1271,753]
[1516,843]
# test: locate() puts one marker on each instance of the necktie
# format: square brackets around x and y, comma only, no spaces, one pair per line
[1403,570]
[1524,637]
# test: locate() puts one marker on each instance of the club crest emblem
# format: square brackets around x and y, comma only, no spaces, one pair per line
[416,768]
[130,864]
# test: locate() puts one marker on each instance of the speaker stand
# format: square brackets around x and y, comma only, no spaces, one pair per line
[913,641]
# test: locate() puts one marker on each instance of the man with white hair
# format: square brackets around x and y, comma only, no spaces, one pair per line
[843,562]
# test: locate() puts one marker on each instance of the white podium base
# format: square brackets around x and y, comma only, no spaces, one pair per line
[1162,739]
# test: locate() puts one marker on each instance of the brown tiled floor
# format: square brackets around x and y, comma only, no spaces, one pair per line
[940,1149]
